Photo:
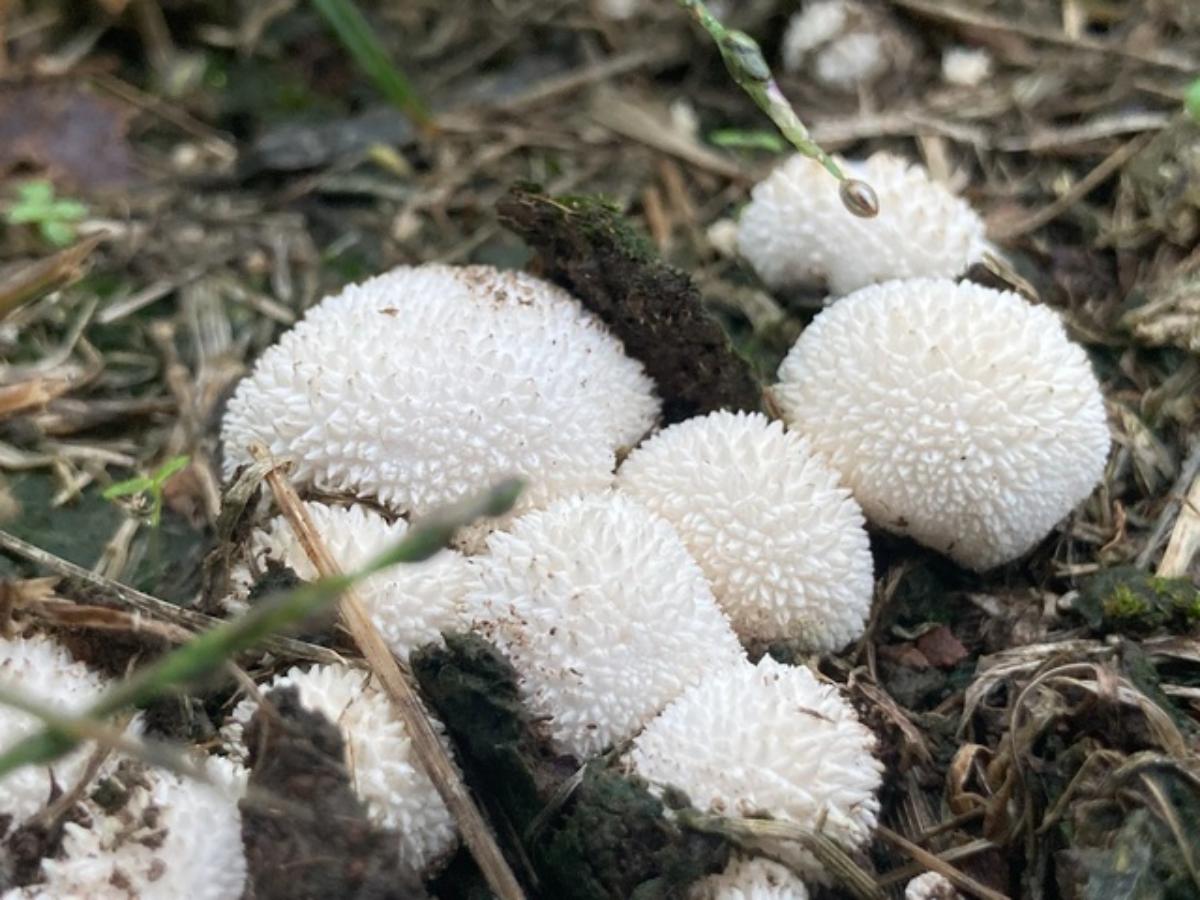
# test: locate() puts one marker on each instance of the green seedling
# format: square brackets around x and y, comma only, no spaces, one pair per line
[54,217]
[748,140]
[151,484]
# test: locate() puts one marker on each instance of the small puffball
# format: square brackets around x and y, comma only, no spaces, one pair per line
[750,878]
[965,66]
[41,669]
[604,615]
[383,767]
[781,541]
[797,231]
[931,886]
[424,385]
[956,414]
[767,739]
[170,837]
[843,44]
[412,604]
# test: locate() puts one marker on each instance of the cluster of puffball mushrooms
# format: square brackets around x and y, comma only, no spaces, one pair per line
[641,562]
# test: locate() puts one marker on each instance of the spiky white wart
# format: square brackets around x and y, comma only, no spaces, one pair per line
[956,414]
[796,230]
[383,767]
[423,385]
[171,837]
[781,541]
[411,604]
[40,669]
[750,878]
[604,615]
[767,739]
[931,886]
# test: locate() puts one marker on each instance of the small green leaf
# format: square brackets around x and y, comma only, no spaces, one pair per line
[748,140]
[169,468]
[36,193]
[60,234]
[126,488]
[68,210]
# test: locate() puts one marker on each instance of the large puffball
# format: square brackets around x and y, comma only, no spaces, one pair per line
[782,542]
[748,878]
[959,415]
[767,739]
[384,770]
[169,837]
[411,604]
[423,385]
[603,614]
[40,669]
[796,230]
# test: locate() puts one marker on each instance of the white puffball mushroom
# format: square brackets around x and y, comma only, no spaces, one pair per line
[767,739]
[426,384]
[931,886]
[384,771]
[411,604]
[603,614]
[750,878]
[781,541]
[966,66]
[40,668]
[796,231]
[172,837]
[843,44]
[961,416]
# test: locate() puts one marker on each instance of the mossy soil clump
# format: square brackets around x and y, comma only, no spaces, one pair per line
[587,246]
[1126,599]
[600,837]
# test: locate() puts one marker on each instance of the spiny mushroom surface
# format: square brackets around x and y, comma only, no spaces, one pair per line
[956,414]
[781,541]
[603,614]
[796,230]
[421,385]
[169,837]
[410,604]
[383,768]
[749,878]
[770,739]
[41,669]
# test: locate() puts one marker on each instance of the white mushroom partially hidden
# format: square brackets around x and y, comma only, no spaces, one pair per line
[384,771]
[747,878]
[604,615]
[169,837]
[956,414]
[425,384]
[782,542]
[767,739]
[411,604]
[796,230]
[41,670]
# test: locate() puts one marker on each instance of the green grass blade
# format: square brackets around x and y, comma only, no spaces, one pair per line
[355,34]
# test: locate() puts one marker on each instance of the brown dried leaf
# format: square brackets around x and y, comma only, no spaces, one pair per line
[941,647]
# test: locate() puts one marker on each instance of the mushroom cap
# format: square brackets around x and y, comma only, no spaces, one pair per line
[411,604]
[750,878]
[41,669]
[796,231]
[171,837]
[839,41]
[422,385]
[383,767]
[959,415]
[781,541]
[604,615]
[767,739]
[931,886]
